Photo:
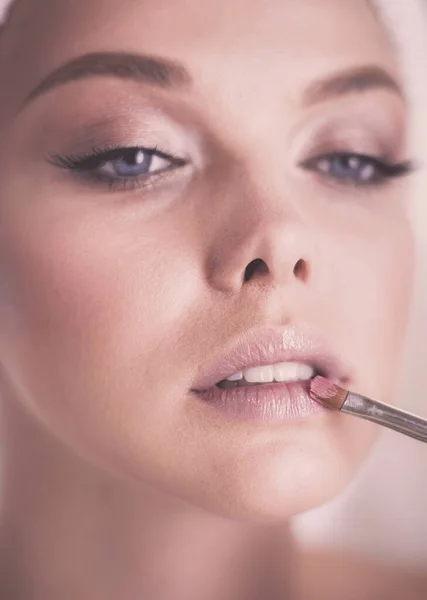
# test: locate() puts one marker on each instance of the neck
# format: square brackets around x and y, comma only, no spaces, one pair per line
[70,530]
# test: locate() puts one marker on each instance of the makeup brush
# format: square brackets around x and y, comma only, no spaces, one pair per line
[332,396]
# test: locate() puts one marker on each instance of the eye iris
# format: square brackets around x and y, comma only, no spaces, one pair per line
[134,162]
[351,167]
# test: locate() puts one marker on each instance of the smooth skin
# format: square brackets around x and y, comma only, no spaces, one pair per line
[117,481]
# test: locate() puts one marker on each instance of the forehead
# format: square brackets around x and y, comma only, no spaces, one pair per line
[264,41]
[299,25]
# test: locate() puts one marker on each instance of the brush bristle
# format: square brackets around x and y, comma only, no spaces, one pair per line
[327,393]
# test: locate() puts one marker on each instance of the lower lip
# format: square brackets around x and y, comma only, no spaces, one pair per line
[267,403]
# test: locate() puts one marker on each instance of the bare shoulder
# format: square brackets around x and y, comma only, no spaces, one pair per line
[336,576]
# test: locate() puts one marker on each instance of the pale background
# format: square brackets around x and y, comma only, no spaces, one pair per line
[384,512]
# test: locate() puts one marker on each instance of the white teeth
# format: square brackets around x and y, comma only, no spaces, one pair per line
[306,372]
[293,372]
[259,374]
[236,376]
[286,371]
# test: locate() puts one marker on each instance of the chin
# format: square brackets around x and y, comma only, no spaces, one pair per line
[274,489]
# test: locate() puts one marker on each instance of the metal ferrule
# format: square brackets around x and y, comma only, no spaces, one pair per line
[386,415]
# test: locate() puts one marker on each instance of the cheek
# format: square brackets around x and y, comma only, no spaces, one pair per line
[92,306]
[92,316]
[372,292]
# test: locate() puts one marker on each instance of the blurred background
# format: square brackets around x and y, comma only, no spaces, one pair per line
[384,512]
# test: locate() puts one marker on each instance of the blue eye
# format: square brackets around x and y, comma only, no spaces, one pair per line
[134,163]
[136,166]
[348,167]
[355,169]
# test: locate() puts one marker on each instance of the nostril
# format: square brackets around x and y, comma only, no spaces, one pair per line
[301,270]
[257,265]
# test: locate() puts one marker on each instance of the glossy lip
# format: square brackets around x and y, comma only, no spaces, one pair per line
[263,347]
[276,402]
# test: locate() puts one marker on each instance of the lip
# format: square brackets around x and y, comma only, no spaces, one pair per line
[275,401]
[271,346]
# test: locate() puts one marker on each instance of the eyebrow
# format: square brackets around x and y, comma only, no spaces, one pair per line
[356,80]
[143,69]
[166,73]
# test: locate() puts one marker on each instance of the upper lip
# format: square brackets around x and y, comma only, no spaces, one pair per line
[270,346]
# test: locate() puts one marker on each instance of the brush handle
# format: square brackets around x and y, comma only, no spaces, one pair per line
[386,415]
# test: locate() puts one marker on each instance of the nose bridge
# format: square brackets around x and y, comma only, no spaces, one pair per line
[261,230]
[266,214]
[256,183]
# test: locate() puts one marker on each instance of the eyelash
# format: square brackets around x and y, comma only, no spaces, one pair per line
[88,164]
[381,171]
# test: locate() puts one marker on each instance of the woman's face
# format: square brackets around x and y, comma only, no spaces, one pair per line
[239,208]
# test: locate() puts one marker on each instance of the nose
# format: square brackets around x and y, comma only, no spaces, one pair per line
[261,239]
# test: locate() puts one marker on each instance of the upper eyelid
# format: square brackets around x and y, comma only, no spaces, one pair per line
[136,126]
[367,128]
[334,153]
[380,150]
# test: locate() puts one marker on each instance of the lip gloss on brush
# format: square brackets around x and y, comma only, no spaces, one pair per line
[334,397]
